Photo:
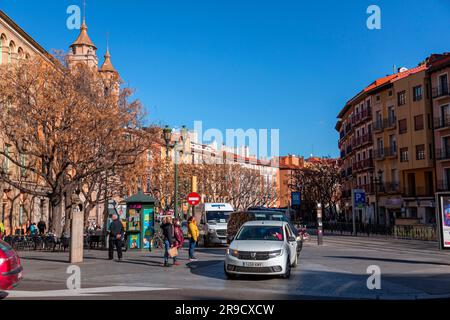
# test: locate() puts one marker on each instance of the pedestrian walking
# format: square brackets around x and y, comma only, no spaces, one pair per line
[179,238]
[33,230]
[169,239]
[116,234]
[41,227]
[193,237]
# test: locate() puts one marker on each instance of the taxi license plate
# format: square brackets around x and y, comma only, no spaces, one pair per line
[252,264]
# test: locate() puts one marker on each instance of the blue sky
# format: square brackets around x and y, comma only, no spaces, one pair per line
[288,65]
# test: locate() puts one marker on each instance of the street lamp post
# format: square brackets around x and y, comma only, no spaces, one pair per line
[168,135]
[378,182]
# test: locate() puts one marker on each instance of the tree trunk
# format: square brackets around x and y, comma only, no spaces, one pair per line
[56,210]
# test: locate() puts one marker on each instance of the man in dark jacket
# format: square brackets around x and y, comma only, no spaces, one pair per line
[41,227]
[116,233]
[169,238]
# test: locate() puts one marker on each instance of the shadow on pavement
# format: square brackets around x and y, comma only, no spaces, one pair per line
[220,251]
[391,260]
[215,269]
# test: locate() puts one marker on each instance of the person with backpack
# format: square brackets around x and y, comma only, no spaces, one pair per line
[179,238]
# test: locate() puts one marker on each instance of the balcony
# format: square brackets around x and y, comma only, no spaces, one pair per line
[391,187]
[362,165]
[442,154]
[441,91]
[443,186]
[418,192]
[442,122]
[362,116]
[381,154]
[378,126]
[390,123]
[362,140]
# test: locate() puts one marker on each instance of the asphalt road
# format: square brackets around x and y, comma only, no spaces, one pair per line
[336,270]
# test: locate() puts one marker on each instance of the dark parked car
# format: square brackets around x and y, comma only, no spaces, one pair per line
[10,267]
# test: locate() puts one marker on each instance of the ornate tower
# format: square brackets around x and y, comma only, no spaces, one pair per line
[109,74]
[83,49]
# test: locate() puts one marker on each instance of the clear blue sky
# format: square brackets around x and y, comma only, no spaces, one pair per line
[280,64]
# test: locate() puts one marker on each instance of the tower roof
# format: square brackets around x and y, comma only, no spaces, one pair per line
[107,65]
[83,38]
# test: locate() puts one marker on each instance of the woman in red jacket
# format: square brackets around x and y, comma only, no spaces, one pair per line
[179,238]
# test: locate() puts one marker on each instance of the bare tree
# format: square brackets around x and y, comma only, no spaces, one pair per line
[61,127]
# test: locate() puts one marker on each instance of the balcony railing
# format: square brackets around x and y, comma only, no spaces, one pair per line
[365,164]
[441,91]
[378,125]
[442,154]
[390,122]
[443,185]
[362,140]
[442,122]
[418,192]
[390,187]
[362,116]
[381,154]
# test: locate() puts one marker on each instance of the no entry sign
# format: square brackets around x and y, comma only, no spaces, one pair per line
[193,199]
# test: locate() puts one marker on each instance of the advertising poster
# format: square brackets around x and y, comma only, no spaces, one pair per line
[134,220]
[133,241]
[148,227]
[445,222]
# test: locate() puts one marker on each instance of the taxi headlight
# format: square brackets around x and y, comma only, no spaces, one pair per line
[275,254]
[233,253]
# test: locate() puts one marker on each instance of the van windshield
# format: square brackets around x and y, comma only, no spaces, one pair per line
[218,216]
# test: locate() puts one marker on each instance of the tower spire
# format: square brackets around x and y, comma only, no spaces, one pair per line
[84,12]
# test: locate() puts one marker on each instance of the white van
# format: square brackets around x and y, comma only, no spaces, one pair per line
[213,223]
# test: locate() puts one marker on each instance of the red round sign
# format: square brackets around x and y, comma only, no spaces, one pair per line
[193,199]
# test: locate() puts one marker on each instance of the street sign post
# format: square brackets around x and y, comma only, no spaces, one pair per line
[358,202]
[193,199]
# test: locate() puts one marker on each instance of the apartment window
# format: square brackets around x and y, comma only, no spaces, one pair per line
[418,122]
[401,98]
[417,93]
[404,155]
[402,126]
[390,93]
[420,152]
[6,160]
[378,97]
